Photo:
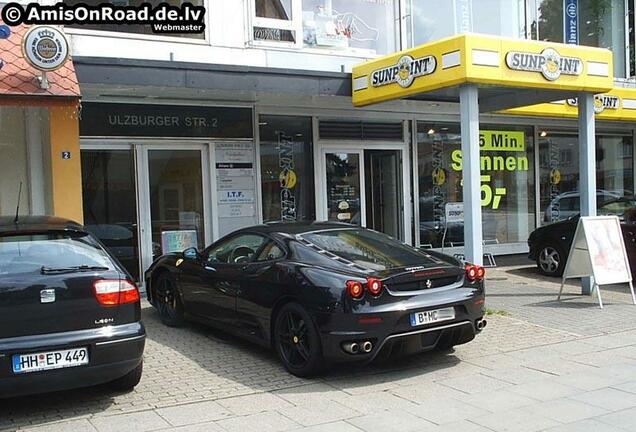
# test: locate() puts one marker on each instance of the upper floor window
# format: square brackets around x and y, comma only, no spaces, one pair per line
[135,28]
[601,23]
[365,27]
[431,20]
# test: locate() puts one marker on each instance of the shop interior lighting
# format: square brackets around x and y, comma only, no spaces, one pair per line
[431,131]
[543,134]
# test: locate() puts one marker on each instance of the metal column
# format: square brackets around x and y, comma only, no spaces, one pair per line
[587,164]
[469,118]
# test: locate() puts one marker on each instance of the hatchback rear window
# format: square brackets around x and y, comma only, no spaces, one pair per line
[368,249]
[27,253]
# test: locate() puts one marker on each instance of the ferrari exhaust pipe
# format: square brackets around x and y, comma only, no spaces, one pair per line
[351,347]
[367,347]
[481,324]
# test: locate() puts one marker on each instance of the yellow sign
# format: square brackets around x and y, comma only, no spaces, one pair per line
[287,179]
[618,104]
[486,61]
[506,141]
[439,176]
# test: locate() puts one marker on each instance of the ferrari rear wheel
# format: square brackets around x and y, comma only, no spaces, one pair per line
[168,302]
[297,341]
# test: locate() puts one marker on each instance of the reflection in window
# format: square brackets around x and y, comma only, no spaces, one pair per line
[134,28]
[601,24]
[559,172]
[275,9]
[432,20]
[287,176]
[507,179]
[350,24]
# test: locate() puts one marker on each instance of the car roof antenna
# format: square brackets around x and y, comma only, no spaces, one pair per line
[17,209]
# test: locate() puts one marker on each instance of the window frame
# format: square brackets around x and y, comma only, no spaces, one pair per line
[296,24]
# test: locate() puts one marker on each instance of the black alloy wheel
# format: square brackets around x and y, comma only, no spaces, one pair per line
[168,302]
[297,341]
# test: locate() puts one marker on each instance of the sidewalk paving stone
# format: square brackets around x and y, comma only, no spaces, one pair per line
[393,421]
[270,421]
[522,419]
[609,398]
[625,419]
[135,422]
[192,413]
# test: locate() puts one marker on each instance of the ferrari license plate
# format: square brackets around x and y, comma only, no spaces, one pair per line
[432,316]
[24,363]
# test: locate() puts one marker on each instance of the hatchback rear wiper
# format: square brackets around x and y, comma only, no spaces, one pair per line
[72,269]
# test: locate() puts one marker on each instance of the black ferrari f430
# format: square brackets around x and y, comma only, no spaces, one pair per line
[322,292]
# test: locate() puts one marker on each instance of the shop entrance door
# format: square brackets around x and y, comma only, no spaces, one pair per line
[363,186]
[174,199]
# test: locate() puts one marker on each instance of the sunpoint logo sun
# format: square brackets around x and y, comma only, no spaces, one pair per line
[549,63]
[404,72]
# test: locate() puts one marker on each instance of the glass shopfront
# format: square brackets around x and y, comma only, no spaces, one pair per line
[507,184]
[559,171]
[287,175]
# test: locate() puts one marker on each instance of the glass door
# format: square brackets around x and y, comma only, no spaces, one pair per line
[344,184]
[110,202]
[384,194]
[366,186]
[175,201]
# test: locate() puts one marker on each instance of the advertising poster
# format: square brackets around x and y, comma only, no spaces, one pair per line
[178,240]
[235,180]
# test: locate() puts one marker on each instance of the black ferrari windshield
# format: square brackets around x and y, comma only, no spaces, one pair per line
[368,248]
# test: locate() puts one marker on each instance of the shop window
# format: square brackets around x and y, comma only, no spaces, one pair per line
[507,184]
[135,28]
[601,24]
[287,175]
[365,27]
[559,172]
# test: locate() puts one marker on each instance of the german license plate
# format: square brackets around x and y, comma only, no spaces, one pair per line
[24,363]
[432,316]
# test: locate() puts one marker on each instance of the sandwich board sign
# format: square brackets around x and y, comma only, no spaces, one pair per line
[598,250]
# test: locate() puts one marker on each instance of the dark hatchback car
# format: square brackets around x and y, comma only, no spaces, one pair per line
[322,292]
[550,244]
[69,313]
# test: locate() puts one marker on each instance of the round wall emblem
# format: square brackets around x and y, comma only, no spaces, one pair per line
[551,68]
[45,48]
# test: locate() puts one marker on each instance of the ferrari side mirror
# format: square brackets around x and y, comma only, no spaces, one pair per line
[191,253]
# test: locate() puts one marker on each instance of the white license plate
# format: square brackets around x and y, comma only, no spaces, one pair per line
[23,363]
[432,316]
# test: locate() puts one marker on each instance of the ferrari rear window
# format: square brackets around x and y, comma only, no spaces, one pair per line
[368,249]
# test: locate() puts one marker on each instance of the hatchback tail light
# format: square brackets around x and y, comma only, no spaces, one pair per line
[374,286]
[475,272]
[113,292]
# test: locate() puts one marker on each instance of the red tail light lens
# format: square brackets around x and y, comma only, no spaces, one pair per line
[374,286]
[113,292]
[355,289]
[475,272]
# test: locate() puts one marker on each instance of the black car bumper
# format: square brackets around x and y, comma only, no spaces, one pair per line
[389,328]
[112,351]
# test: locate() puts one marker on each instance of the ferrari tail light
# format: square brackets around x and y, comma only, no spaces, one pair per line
[113,292]
[475,272]
[374,286]
[355,289]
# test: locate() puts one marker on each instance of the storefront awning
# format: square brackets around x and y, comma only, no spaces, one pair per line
[509,73]
[19,80]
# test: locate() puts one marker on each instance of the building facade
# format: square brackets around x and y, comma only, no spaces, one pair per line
[185,138]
